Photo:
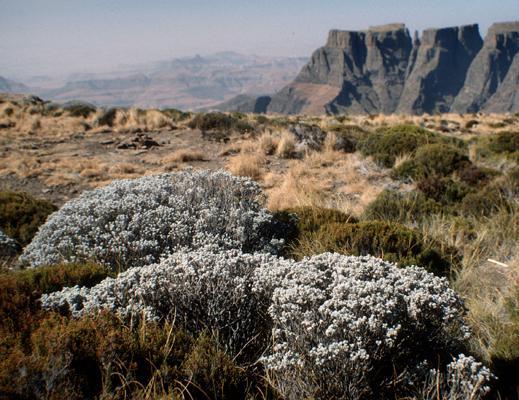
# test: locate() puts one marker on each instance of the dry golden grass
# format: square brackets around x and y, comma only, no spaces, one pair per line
[326,179]
[184,155]
[247,164]
[267,143]
[286,146]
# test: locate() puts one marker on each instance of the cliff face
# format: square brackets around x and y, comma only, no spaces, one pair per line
[362,71]
[442,60]
[490,68]
[384,70]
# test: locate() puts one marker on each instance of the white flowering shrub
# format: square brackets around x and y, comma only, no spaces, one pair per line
[135,222]
[464,379]
[342,326]
[203,289]
[8,247]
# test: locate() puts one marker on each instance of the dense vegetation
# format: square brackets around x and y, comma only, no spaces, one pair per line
[177,288]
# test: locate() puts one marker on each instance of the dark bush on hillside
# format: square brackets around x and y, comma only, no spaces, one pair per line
[385,145]
[484,202]
[21,290]
[431,160]
[512,181]
[176,115]
[347,137]
[474,175]
[21,215]
[216,121]
[79,108]
[100,357]
[303,221]
[387,240]
[505,142]
[443,190]
[399,207]
[107,117]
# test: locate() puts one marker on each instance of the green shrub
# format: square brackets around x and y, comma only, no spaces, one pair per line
[385,145]
[347,137]
[261,119]
[101,357]
[505,142]
[107,117]
[301,222]
[399,207]
[176,115]
[474,175]
[435,159]
[512,181]
[21,215]
[484,202]
[20,290]
[388,240]
[79,108]
[216,121]
[443,190]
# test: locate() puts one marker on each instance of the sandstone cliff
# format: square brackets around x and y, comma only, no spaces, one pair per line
[384,70]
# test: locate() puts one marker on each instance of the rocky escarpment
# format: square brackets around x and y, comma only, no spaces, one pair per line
[489,70]
[384,70]
[358,72]
[443,58]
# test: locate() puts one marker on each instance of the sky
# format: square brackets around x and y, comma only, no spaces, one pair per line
[50,37]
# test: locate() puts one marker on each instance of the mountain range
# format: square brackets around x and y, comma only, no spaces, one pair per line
[385,70]
[186,83]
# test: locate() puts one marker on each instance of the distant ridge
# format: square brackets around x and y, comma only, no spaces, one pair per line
[384,70]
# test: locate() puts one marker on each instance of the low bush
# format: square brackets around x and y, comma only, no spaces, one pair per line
[79,108]
[431,160]
[390,241]
[474,175]
[444,191]
[135,222]
[102,357]
[201,290]
[176,115]
[347,327]
[107,117]
[20,291]
[302,222]
[347,137]
[21,215]
[8,247]
[484,202]
[386,144]
[394,206]
[216,121]
[505,142]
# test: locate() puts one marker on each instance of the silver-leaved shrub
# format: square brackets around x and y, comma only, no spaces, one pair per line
[464,379]
[344,326]
[133,223]
[329,326]
[201,289]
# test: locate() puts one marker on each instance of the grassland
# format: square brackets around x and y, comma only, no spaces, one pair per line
[410,189]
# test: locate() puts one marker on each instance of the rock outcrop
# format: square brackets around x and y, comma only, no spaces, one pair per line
[358,72]
[489,69]
[443,58]
[384,70]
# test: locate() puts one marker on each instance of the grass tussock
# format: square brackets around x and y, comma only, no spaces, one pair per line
[246,164]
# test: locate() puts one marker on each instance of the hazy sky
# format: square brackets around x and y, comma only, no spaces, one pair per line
[62,36]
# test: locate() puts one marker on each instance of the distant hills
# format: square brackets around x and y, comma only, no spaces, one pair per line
[185,83]
[385,70]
